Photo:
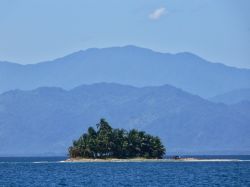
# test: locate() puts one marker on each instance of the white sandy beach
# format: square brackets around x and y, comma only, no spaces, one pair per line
[148,160]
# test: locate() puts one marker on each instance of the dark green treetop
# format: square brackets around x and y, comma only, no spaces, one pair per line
[106,142]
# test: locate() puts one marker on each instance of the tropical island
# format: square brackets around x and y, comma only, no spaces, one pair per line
[109,143]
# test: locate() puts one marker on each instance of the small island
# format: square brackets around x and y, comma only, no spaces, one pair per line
[107,143]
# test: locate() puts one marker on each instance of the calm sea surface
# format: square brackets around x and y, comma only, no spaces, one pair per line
[48,171]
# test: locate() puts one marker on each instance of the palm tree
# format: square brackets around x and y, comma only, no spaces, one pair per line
[109,142]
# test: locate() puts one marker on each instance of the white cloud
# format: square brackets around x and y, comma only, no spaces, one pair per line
[157,14]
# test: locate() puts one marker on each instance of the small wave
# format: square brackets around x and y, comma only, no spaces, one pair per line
[46,162]
[214,160]
[40,162]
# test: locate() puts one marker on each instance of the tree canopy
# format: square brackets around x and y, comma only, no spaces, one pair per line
[106,142]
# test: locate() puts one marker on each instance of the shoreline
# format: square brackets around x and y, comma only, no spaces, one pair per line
[79,160]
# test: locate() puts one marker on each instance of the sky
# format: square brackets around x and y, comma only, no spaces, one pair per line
[32,31]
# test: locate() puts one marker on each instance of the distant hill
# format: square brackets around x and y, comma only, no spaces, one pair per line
[233,97]
[46,120]
[126,65]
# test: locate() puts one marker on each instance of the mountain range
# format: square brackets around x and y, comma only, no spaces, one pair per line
[44,106]
[128,65]
[233,97]
[44,121]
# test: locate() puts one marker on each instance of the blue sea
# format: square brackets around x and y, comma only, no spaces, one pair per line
[48,171]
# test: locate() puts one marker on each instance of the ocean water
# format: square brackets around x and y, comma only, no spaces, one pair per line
[48,171]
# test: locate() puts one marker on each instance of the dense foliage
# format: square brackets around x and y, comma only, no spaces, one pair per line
[107,142]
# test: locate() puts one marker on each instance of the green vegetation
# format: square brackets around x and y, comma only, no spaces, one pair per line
[107,142]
